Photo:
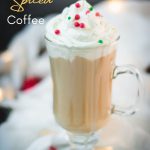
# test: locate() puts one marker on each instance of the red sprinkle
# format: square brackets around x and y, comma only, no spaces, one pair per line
[77,17]
[76,24]
[97,14]
[52,148]
[57,32]
[82,25]
[77,5]
[87,12]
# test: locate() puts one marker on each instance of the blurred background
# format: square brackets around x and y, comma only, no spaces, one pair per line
[25,78]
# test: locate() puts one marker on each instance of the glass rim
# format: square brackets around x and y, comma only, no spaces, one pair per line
[72,47]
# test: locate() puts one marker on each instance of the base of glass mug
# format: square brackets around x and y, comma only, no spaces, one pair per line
[84,141]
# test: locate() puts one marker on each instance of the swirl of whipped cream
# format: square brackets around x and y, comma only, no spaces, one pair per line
[96,31]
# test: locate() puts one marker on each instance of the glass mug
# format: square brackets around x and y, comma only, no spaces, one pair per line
[82,88]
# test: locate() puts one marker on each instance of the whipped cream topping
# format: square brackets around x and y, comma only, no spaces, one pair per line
[80,25]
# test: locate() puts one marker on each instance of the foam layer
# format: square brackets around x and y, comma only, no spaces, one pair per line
[57,51]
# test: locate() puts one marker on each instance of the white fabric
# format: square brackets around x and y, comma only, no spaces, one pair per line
[32,115]
[24,48]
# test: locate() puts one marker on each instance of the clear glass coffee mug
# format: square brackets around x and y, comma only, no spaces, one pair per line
[82,87]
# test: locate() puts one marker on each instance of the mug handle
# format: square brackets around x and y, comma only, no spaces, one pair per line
[131,70]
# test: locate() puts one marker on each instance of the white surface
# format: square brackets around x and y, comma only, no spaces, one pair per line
[32,115]
[43,143]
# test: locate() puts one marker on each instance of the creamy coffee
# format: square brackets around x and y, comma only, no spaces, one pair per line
[81,45]
[82,92]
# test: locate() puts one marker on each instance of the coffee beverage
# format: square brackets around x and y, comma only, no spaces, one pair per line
[81,46]
[82,92]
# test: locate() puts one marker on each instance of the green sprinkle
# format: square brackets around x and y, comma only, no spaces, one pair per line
[91,8]
[100,41]
[69,18]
